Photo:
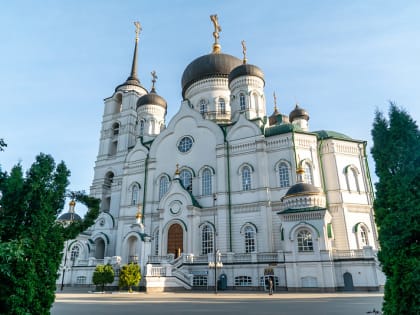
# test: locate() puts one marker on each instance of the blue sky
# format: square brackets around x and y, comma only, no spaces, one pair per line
[341,60]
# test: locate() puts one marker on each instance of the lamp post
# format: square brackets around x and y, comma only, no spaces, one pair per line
[66,219]
[217,263]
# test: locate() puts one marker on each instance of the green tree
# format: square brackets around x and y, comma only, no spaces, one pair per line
[2,144]
[31,241]
[396,152]
[130,275]
[102,275]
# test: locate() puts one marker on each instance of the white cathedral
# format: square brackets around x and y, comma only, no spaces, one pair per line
[223,193]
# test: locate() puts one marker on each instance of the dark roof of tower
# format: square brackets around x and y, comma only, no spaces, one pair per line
[298,112]
[69,216]
[211,65]
[244,70]
[152,99]
[302,189]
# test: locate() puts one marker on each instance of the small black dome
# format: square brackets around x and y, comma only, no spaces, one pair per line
[246,69]
[303,189]
[151,99]
[69,216]
[208,66]
[298,112]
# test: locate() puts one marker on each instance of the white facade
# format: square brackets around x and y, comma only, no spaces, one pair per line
[216,177]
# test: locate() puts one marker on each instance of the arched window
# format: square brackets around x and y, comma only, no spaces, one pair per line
[135,194]
[207,240]
[203,107]
[242,102]
[284,175]
[186,180]
[362,235]
[109,179]
[163,186]
[246,178]
[309,177]
[255,100]
[115,129]
[304,240]
[206,182]
[142,125]
[222,106]
[352,178]
[250,241]
[75,252]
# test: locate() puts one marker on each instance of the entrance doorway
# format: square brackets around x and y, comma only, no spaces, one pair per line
[175,240]
[348,282]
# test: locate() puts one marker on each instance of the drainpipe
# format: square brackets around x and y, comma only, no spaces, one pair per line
[228,188]
[321,164]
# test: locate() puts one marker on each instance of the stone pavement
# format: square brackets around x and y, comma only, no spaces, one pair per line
[233,302]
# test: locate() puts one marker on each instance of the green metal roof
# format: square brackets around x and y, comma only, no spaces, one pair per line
[327,134]
[309,209]
[280,129]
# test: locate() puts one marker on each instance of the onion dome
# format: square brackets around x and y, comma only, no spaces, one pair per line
[303,189]
[246,70]
[298,112]
[69,216]
[152,99]
[207,66]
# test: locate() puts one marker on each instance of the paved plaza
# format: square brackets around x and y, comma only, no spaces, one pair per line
[208,303]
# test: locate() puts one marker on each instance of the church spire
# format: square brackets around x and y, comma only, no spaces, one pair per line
[133,74]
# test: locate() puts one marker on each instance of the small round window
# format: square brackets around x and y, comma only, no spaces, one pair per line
[185,144]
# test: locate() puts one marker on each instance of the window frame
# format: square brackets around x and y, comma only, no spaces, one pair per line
[242,102]
[246,178]
[206,182]
[163,180]
[250,239]
[207,240]
[185,171]
[305,243]
[221,106]
[283,174]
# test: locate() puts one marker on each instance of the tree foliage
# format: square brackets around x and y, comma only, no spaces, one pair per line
[103,275]
[2,144]
[396,152]
[31,241]
[130,275]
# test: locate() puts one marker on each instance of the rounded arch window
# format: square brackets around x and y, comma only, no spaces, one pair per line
[246,178]
[186,179]
[206,182]
[242,103]
[203,107]
[250,240]
[185,144]
[75,252]
[115,129]
[304,240]
[206,240]
[222,106]
[284,175]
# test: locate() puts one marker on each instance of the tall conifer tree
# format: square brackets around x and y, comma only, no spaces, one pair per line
[396,152]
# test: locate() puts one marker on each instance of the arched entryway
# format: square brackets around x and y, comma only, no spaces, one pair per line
[100,248]
[175,240]
[348,282]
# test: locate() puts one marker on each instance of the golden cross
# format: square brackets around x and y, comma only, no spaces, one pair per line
[138,29]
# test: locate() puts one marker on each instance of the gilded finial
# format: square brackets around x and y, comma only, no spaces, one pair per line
[138,29]
[177,169]
[154,77]
[217,29]
[244,51]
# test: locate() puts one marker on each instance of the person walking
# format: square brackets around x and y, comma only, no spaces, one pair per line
[270,285]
